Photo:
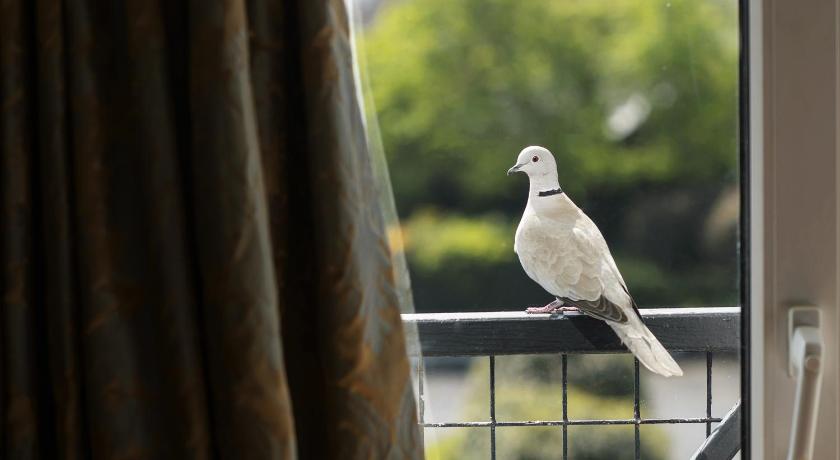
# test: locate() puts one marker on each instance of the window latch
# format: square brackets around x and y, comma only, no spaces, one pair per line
[805,347]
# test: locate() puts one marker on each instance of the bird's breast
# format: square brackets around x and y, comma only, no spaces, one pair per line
[539,240]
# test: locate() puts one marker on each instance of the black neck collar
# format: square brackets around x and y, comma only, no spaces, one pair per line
[556,191]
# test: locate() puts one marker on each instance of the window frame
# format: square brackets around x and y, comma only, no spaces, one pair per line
[793,211]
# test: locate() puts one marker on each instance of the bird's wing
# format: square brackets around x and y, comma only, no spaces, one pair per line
[575,265]
[602,309]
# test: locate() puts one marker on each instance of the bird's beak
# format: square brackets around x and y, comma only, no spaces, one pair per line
[514,169]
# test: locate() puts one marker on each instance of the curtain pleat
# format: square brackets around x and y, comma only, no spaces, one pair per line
[20,369]
[194,258]
[361,336]
[56,233]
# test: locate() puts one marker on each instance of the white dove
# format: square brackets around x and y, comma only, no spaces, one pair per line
[561,249]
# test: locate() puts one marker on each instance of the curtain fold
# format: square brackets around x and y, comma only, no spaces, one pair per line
[194,259]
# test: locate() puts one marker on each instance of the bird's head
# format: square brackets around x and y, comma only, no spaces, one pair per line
[536,162]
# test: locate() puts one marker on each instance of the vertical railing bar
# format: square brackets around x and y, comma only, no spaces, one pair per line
[493,407]
[708,392]
[422,400]
[636,412]
[565,382]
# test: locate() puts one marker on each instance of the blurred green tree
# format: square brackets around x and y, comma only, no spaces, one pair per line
[636,98]
[624,92]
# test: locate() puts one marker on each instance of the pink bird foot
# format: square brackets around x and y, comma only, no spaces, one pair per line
[553,307]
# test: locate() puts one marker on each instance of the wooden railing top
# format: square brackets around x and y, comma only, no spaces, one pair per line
[714,329]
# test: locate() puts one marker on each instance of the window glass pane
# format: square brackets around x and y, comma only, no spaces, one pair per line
[638,102]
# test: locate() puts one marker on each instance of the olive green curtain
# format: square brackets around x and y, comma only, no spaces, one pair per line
[194,263]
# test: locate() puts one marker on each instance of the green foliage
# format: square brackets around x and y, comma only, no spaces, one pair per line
[526,397]
[462,86]
[434,240]
[636,98]
[468,263]
[463,263]
[606,375]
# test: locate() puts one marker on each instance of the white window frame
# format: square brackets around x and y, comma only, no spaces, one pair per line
[794,210]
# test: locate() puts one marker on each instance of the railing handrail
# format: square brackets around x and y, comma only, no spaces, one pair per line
[715,329]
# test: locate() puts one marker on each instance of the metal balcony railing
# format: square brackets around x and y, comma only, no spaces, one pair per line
[700,330]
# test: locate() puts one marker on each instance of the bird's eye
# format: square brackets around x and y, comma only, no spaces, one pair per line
[535,159]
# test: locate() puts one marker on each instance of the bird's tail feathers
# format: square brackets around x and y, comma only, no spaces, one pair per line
[644,345]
